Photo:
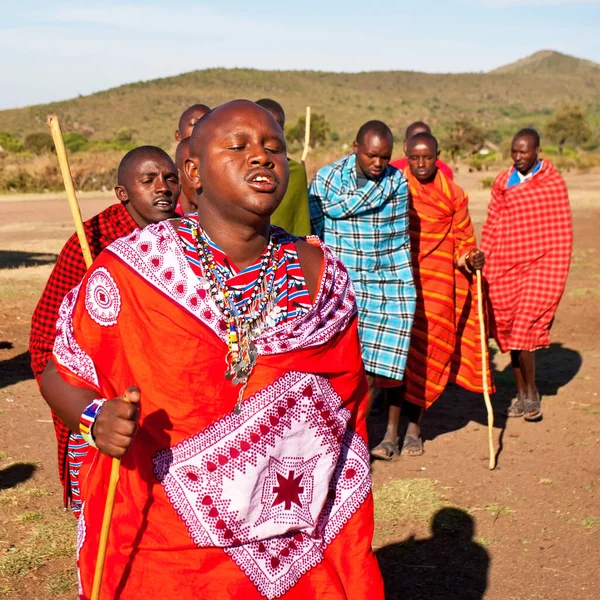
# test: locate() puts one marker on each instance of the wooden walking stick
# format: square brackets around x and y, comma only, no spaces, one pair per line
[63,162]
[61,153]
[485,372]
[306,135]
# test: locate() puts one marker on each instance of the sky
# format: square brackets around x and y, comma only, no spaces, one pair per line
[54,50]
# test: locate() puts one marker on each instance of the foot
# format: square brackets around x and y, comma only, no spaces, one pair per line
[533,409]
[412,446]
[386,450]
[517,408]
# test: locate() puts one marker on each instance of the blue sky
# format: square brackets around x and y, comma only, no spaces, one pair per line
[53,50]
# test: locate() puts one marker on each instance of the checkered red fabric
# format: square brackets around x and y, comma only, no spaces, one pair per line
[528,238]
[101,230]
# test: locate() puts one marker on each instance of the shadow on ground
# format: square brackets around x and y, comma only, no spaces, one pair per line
[556,367]
[15,369]
[450,565]
[13,475]
[11,259]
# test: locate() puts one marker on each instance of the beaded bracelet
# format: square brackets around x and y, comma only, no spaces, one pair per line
[88,418]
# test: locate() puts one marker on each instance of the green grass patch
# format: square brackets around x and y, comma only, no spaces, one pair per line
[61,583]
[50,541]
[3,455]
[407,500]
[591,522]
[29,516]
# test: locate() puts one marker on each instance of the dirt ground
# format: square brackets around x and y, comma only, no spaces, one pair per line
[446,527]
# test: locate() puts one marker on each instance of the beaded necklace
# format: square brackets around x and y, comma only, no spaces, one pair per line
[246,322]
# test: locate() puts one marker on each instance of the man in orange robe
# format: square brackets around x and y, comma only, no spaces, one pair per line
[445,342]
[245,469]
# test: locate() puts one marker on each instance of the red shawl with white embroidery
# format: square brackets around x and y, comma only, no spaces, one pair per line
[273,502]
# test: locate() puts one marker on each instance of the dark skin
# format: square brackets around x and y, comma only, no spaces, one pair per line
[188,198]
[187,121]
[525,153]
[240,143]
[412,131]
[373,154]
[422,155]
[150,189]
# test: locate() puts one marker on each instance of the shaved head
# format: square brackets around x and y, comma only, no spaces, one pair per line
[238,158]
[130,161]
[188,119]
[415,128]
[424,139]
[274,108]
[376,128]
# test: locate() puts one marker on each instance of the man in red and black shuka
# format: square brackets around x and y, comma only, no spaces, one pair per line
[147,189]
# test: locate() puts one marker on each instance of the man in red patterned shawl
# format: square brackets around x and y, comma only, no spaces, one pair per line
[245,468]
[528,240]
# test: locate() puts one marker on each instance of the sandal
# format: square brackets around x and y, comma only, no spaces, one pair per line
[385,451]
[516,409]
[412,446]
[532,411]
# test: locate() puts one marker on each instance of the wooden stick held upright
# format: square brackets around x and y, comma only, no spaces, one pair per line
[306,135]
[484,371]
[61,153]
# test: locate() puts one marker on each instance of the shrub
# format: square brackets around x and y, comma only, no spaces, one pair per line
[75,142]
[38,143]
[487,183]
[10,143]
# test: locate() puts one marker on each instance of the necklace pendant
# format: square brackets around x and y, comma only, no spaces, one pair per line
[228,375]
[237,409]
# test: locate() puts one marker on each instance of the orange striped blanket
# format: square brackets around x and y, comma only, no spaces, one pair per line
[445,342]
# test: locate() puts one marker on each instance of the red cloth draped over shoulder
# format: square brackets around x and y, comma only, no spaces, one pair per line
[445,342]
[274,502]
[528,239]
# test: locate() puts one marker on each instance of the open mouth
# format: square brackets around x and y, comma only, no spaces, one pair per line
[262,180]
[163,203]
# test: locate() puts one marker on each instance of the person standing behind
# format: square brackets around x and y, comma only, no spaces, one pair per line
[292,214]
[188,197]
[445,343]
[528,239]
[147,188]
[359,207]
[412,130]
[189,117]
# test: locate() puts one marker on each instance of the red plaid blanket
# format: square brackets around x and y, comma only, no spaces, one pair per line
[528,239]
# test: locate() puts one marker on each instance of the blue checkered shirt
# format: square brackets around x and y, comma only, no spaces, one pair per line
[367,228]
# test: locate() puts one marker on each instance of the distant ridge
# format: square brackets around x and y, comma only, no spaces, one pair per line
[524,93]
[549,61]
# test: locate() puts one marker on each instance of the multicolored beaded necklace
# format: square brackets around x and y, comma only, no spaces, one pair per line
[244,322]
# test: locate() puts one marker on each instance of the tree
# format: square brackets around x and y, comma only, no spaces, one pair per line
[463,136]
[319,130]
[9,142]
[38,143]
[569,124]
[124,136]
[75,142]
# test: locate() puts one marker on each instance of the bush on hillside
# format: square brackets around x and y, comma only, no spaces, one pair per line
[463,137]
[75,142]
[569,125]
[38,143]
[10,143]
[320,131]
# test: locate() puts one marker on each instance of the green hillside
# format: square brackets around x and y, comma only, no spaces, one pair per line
[524,93]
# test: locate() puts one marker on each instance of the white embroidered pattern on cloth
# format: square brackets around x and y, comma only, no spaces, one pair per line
[67,351]
[273,485]
[102,298]
[156,255]
[81,532]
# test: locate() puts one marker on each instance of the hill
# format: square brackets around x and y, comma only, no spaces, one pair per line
[523,93]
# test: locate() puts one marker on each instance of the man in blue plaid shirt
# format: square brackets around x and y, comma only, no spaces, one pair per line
[359,208]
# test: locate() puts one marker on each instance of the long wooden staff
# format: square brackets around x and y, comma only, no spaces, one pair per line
[306,135]
[61,153]
[485,371]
